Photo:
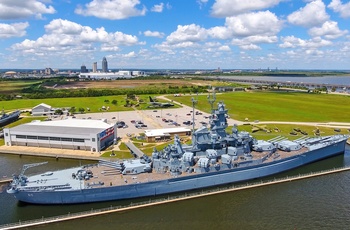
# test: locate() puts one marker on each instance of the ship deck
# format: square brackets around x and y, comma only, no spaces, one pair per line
[112,177]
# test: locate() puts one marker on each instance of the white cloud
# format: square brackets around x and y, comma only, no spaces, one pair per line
[339,7]
[220,32]
[130,54]
[314,52]
[109,48]
[293,42]
[224,48]
[346,47]
[13,30]
[119,38]
[329,30]
[250,24]
[249,43]
[313,14]
[187,33]
[63,35]
[250,47]
[258,39]
[158,8]
[157,34]
[111,9]
[89,35]
[202,3]
[61,26]
[226,8]
[17,9]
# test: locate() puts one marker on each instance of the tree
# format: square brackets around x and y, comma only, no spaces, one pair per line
[114,102]
[72,110]
[81,110]
[58,112]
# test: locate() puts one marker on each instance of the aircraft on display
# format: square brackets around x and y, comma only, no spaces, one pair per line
[159,104]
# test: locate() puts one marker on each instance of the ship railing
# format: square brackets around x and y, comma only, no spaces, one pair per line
[303,138]
[164,199]
[275,138]
[280,140]
[47,187]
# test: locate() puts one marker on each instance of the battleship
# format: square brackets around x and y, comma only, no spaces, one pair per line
[215,157]
[7,118]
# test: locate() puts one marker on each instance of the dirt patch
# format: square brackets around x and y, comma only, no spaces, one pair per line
[130,84]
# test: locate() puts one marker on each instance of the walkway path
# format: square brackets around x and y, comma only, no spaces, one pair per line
[136,151]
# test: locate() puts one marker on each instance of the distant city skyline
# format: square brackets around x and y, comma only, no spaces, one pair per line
[192,34]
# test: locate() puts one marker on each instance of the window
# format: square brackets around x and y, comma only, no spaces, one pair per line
[21,136]
[32,137]
[93,139]
[66,139]
[78,140]
[6,134]
[55,138]
[43,138]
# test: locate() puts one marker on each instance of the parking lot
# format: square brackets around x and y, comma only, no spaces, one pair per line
[153,119]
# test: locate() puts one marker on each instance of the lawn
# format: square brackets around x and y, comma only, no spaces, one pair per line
[93,103]
[285,131]
[279,106]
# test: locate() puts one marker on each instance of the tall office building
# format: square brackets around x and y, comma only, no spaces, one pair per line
[104,65]
[94,67]
[83,69]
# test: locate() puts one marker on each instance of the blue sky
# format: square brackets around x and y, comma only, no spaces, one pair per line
[175,34]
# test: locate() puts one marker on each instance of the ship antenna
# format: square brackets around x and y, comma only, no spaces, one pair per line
[194,102]
[212,99]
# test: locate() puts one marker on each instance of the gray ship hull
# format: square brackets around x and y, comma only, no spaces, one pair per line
[180,184]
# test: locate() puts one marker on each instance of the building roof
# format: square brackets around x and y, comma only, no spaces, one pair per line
[66,126]
[162,132]
[10,72]
[42,104]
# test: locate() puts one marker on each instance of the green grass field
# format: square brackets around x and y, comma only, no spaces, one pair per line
[279,106]
[285,131]
[93,103]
